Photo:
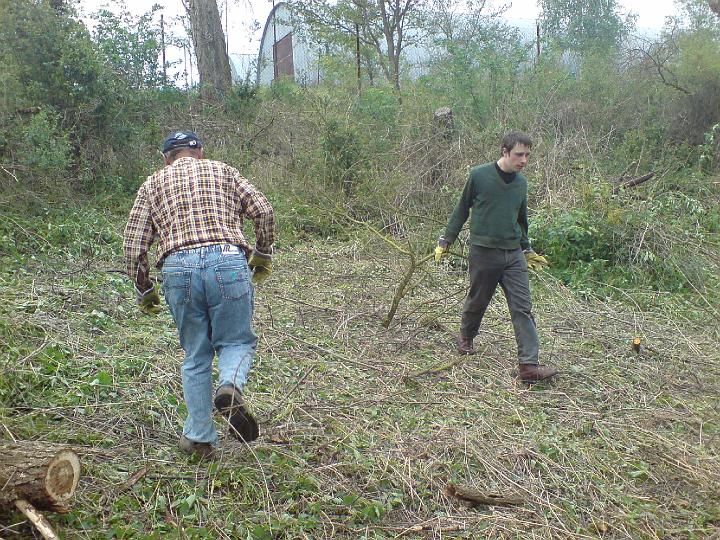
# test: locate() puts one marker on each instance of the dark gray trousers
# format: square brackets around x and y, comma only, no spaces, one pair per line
[507,267]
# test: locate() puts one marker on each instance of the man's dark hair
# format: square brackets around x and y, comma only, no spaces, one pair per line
[512,139]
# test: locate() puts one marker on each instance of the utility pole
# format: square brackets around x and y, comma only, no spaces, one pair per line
[185,65]
[162,44]
[357,57]
[190,69]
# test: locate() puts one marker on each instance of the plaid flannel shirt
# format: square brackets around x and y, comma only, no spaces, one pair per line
[189,204]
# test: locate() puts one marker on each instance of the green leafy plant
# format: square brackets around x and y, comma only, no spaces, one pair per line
[45,148]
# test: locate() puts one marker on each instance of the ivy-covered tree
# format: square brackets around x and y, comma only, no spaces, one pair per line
[130,47]
[50,53]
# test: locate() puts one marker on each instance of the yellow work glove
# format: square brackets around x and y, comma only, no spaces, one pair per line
[442,249]
[149,302]
[534,261]
[260,265]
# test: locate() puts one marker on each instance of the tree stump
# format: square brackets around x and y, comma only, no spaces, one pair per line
[43,475]
[438,151]
[444,123]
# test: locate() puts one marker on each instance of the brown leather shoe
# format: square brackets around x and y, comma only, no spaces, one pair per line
[532,373]
[202,449]
[229,403]
[465,345]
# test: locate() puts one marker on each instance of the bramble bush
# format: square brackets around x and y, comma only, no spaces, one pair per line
[342,155]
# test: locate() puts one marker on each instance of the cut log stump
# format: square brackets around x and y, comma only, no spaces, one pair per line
[43,475]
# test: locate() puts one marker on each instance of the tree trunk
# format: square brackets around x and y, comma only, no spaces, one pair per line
[438,150]
[391,31]
[45,476]
[209,42]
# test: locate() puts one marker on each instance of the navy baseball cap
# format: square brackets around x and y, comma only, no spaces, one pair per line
[181,139]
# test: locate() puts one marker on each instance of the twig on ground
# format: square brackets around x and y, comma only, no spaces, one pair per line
[443,367]
[37,519]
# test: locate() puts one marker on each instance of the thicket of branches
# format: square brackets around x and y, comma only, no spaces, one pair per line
[604,107]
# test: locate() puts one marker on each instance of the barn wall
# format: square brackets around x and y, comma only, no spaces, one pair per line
[304,58]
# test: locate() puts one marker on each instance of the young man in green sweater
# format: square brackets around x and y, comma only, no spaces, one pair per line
[500,251]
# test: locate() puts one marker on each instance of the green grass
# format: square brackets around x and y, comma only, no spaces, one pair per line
[352,444]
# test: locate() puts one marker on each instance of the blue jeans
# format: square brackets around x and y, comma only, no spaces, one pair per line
[210,296]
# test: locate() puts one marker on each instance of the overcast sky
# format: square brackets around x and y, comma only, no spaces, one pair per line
[241,13]
[651,13]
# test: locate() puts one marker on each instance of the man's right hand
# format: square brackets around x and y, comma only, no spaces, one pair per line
[150,302]
[442,249]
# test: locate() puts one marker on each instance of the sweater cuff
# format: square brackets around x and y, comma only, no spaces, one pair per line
[448,238]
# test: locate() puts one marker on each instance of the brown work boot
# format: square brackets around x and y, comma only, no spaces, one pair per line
[465,345]
[229,403]
[202,449]
[532,373]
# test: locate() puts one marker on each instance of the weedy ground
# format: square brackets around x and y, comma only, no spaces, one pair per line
[361,427]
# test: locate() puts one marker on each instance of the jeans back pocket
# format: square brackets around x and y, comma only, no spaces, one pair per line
[176,286]
[233,282]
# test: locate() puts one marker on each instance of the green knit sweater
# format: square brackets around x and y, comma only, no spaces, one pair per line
[499,210]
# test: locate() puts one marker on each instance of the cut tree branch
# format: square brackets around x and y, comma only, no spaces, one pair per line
[37,519]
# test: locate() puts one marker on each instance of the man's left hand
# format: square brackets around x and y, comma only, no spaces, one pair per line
[260,265]
[534,261]
[149,302]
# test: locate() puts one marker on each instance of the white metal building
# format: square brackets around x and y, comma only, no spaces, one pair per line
[285,50]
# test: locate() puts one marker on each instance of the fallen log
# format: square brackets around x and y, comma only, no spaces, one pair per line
[43,475]
[633,182]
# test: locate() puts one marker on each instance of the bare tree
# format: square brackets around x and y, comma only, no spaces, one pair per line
[659,56]
[393,15]
[383,26]
[209,42]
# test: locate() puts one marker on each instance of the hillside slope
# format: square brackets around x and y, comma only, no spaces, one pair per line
[357,442]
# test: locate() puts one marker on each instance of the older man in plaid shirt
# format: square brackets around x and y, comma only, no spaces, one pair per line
[194,209]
